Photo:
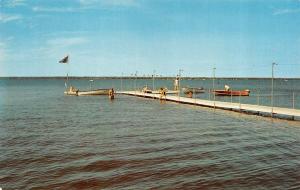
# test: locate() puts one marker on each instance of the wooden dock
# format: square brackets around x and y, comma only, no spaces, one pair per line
[267,111]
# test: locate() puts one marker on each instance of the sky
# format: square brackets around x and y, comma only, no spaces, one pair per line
[240,38]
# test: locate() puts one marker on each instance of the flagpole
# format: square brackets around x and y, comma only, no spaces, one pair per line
[66,60]
[67,79]
[68,68]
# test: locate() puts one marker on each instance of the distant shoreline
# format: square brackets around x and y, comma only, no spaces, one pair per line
[141,77]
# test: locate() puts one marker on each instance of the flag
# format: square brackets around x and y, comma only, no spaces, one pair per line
[64,60]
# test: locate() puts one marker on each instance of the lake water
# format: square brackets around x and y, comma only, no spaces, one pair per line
[52,141]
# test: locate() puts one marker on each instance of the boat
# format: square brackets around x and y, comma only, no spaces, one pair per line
[93,92]
[76,92]
[232,92]
[146,90]
[72,91]
[149,91]
[187,90]
[166,90]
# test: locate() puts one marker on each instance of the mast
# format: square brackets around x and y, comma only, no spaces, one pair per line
[65,60]
[67,81]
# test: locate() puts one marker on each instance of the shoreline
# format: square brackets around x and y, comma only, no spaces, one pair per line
[141,77]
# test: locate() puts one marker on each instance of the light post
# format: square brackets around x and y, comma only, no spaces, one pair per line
[179,83]
[91,81]
[214,76]
[153,78]
[122,82]
[136,73]
[132,80]
[272,88]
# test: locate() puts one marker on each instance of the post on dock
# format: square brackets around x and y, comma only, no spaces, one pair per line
[91,83]
[153,86]
[136,73]
[214,94]
[240,101]
[258,94]
[153,78]
[122,82]
[179,83]
[272,89]
[194,96]
[293,100]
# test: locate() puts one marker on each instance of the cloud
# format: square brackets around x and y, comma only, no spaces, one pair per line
[286,11]
[54,9]
[4,18]
[88,4]
[66,42]
[109,3]
[12,3]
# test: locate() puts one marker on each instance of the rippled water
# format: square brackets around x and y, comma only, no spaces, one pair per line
[50,141]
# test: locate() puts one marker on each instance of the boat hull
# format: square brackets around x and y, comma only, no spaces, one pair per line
[193,90]
[71,93]
[96,92]
[232,93]
[167,92]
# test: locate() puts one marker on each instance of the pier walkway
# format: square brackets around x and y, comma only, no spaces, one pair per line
[276,112]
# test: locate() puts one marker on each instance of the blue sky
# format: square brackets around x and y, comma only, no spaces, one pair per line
[241,38]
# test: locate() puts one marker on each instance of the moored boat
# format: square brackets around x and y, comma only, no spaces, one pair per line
[187,90]
[166,90]
[149,91]
[76,92]
[72,91]
[93,92]
[232,92]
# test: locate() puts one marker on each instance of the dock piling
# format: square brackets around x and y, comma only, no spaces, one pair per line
[258,94]
[293,100]
[272,88]
[240,101]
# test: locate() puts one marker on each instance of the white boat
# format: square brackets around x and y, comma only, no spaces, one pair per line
[167,92]
[149,91]
[93,92]
[146,90]
[76,92]
[196,90]
[72,91]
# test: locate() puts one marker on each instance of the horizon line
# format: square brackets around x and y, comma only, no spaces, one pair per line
[138,77]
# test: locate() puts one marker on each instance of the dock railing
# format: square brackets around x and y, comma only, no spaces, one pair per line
[258,96]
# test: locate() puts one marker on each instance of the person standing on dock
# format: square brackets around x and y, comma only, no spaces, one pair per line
[176,83]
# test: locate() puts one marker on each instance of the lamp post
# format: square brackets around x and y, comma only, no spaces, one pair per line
[153,78]
[214,76]
[91,81]
[272,88]
[136,73]
[122,82]
[179,83]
